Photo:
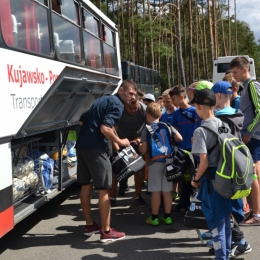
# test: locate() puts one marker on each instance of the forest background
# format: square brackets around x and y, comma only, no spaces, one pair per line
[180,38]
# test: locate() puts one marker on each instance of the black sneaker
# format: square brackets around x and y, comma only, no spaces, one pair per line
[212,251]
[237,250]
[113,202]
[179,209]
[140,202]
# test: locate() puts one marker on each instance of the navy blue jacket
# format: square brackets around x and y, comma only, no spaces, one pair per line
[106,111]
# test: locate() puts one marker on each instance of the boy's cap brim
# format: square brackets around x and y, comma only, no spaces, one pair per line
[222,87]
[204,97]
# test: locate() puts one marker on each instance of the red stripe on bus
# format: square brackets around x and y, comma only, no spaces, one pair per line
[7,221]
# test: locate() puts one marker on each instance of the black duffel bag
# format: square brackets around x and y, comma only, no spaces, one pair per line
[194,217]
[126,162]
[179,163]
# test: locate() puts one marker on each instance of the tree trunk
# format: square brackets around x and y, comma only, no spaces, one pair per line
[197,39]
[179,47]
[215,31]
[235,11]
[145,46]
[123,30]
[211,34]
[205,43]
[229,30]
[191,47]
[151,34]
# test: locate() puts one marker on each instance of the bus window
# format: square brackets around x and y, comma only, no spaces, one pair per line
[132,73]
[110,56]
[66,39]
[67,8]
[92,51]
[92,43]
[24,25]
[91,23]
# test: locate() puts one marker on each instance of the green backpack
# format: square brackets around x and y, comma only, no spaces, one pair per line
[235,172]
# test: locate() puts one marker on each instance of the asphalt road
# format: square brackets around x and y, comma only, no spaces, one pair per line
[55,231]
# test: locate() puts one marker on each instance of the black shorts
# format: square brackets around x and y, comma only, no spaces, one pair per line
[94,166]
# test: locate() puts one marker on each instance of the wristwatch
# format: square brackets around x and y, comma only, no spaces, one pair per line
[196,181]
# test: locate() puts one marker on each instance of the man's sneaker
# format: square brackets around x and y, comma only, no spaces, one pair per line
[113,235]
[209,244]
[121,192]
[90,230]
[154,222]
[180,209]
[140,202]
[167,221]
[206,235]
[237,250]
[113,202]
[252,221]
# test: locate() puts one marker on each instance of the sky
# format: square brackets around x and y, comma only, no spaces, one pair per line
[248,11]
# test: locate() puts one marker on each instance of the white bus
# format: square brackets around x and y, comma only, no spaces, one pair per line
[57,58]
[221,66]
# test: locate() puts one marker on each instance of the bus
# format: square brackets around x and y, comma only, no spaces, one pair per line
[146,79]
[57,58]
[221,66]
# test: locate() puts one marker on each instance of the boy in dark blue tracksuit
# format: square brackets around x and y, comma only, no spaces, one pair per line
[216,209]
[234,118]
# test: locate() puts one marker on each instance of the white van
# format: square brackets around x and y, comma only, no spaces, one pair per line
[221,66]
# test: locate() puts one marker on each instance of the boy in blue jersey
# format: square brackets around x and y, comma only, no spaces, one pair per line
[167,116]
[158,183]
[186,120]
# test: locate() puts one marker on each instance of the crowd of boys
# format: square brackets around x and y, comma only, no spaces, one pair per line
[131,117]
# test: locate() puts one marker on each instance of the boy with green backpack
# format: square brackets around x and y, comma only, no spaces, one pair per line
[234,119]
[215,207]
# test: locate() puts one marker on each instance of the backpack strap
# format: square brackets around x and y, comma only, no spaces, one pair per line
[215,131]
[156,139]
[184,115]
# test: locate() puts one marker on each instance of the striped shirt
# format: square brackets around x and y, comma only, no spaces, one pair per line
[251,124]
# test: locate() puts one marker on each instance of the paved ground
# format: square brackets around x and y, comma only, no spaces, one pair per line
[55,231]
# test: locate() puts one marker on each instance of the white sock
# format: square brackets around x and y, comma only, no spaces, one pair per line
[256,215]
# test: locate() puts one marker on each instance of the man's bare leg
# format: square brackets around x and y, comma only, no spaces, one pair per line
[85,195]
[104,209]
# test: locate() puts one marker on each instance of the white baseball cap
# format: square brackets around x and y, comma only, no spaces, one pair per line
[149,96]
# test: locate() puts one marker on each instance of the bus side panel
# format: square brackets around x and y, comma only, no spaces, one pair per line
[6,190]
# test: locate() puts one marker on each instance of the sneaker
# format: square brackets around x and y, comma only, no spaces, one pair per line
[154,222]
[179,209]
[237,250]
[113,235]
[175,196]
[211,251]
[121,192]
[252,221]
[113,202]
[167,221]
[90,230]
[206,235]
[140,202]
[209,244]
